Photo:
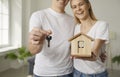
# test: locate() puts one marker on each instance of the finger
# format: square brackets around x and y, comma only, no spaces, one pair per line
[37,35]
[36,31]
[34,42]
[72,57]
[93,54]
[33,36]
[46,32]
[103,55]
[49,31]
[103,59]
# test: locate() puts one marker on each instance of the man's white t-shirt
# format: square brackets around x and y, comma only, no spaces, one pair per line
[54,60]
[98,31]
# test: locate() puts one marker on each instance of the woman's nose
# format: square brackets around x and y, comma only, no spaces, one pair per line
[78,8]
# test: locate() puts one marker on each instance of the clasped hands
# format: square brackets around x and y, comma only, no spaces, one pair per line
[94,57]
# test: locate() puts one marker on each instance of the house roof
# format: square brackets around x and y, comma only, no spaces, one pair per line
[79,35]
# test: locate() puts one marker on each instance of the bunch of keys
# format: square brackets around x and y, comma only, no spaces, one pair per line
[48,38]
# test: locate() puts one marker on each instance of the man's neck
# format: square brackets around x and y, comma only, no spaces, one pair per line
[58,10]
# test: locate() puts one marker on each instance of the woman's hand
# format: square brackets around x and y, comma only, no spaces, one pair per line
[92,58]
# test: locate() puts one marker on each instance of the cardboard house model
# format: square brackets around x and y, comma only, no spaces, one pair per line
[81,45]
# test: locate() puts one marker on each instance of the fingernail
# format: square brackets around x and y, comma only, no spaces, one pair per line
[49,31]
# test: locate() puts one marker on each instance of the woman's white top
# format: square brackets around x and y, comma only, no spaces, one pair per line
[98,31]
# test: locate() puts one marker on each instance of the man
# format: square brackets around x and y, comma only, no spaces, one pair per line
[54,60]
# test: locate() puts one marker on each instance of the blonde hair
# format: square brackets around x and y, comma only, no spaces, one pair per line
[90,12]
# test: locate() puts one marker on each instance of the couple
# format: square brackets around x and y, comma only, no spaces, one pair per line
[55,61]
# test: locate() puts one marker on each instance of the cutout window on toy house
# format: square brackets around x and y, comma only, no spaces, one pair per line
[81,44]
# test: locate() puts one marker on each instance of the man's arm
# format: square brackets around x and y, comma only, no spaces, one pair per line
[34,48]
[36,40]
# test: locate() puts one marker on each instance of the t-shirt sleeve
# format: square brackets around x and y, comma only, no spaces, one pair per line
[102,32]
[35,21]
[77,29]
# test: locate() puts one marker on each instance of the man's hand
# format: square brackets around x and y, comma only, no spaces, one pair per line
[36,39]
[103,57]
[37,36]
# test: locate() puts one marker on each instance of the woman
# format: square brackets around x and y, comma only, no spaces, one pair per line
[89,25]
